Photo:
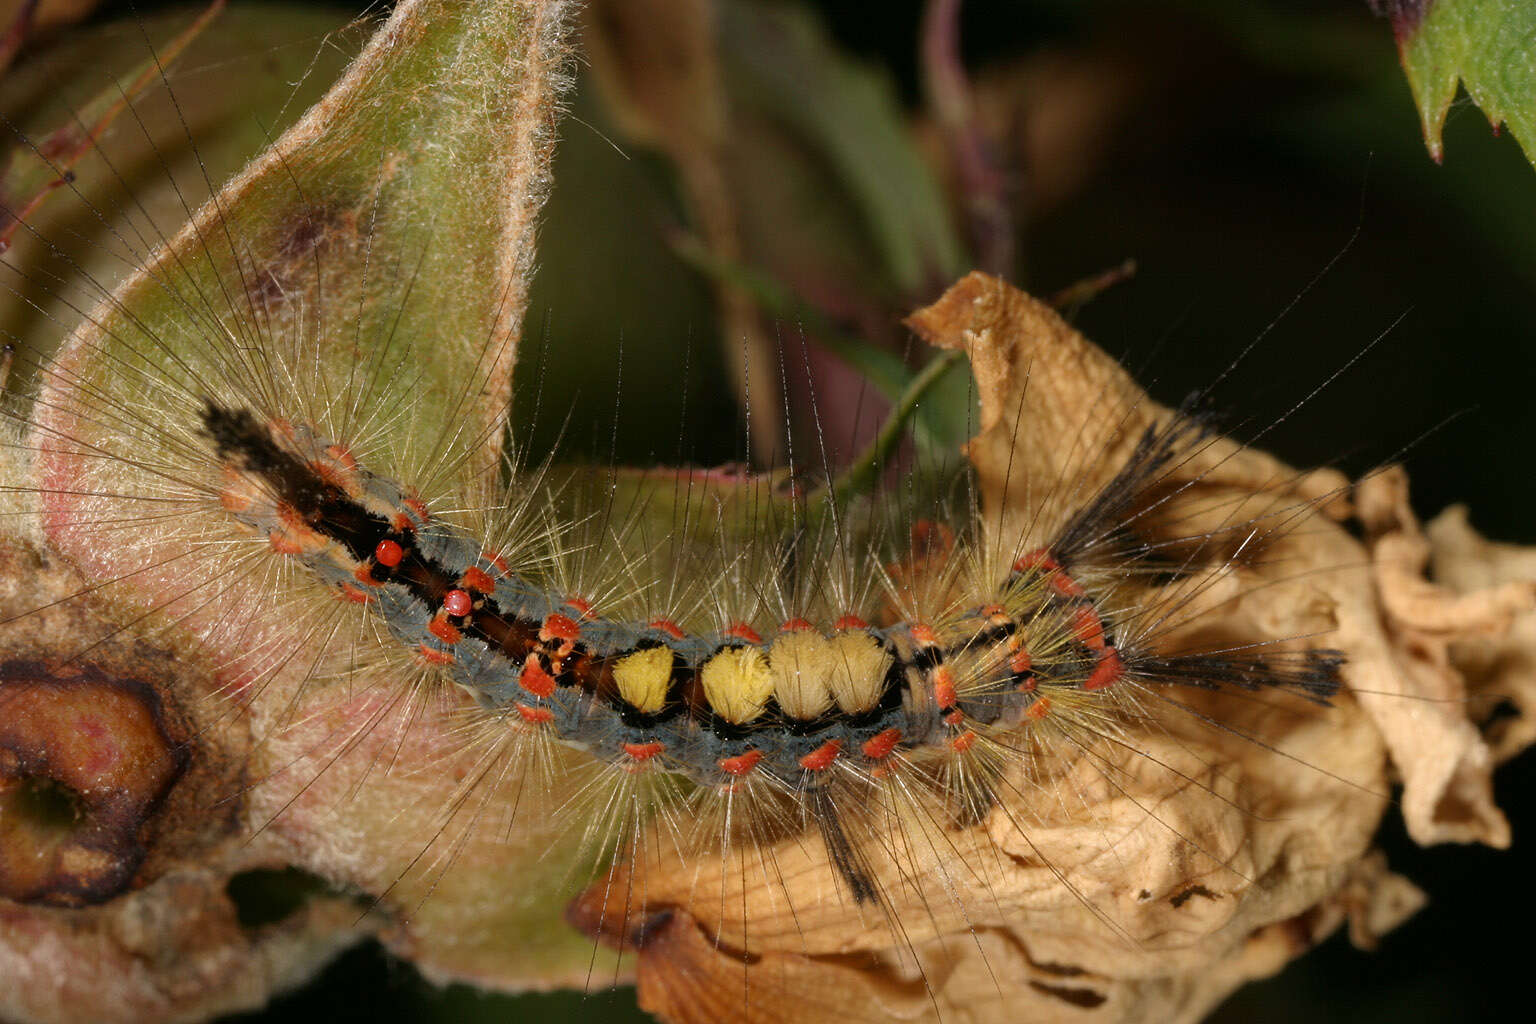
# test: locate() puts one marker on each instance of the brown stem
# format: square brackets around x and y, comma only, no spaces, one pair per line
[983,184]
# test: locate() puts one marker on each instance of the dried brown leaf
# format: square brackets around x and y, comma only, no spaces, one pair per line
[1412,689]
[1121,893]
[1500,668]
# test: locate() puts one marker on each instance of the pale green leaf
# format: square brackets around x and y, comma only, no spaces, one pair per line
[1489,46]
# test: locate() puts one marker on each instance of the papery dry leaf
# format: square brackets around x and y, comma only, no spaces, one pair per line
[1055,408]
[1132,900]
[1415,693]
[1500,667]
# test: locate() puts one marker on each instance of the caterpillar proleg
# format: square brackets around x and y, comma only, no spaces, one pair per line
[1091,723]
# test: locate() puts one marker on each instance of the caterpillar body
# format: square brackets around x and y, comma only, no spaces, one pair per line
[896,757]
[715,707]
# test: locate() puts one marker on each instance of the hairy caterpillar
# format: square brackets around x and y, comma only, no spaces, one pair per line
[727,706]
[158,513]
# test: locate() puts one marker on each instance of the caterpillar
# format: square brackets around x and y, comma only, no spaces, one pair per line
[808,736]
[728,705]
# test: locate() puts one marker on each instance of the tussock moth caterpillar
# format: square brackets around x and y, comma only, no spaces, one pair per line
[899,888]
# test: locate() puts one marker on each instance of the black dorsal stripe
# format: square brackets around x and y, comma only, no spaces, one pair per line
[240,438]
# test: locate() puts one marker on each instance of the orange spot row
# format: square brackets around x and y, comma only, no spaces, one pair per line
[458,603]
[944,687]
[1038,560]
[535,679]
[644,751]
[444,630]
[536,716]
[341,477]
[1043,562]
[741,764]
[923,635]
[347,592]
[342,455]
[295,536]
[1089,628]
[558,633]
[417,506]
[478,580]
[234,496]
[742,631]
[1066,586]
[559,627]
[433,656]
[1106,671]
[822,757]
[388,553]
[879,746]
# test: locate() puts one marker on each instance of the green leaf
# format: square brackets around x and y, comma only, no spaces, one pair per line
[843,119]
[38,169]
[241,82]
[373,259]
[396,218]
[1487,45]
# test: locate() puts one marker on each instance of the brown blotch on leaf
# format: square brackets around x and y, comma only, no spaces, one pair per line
[602,914]
[298,255]
[1181,898]
[109,773]
[85,760]
[1084,997]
